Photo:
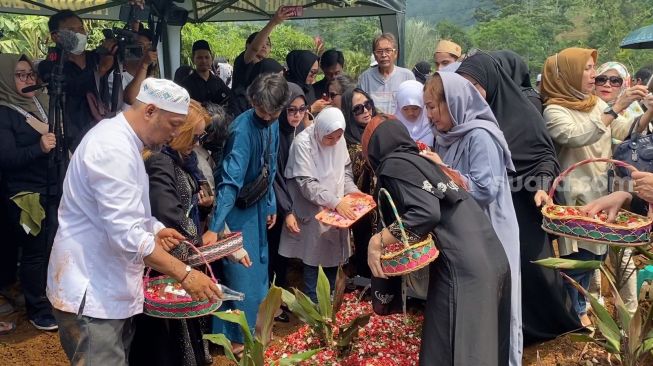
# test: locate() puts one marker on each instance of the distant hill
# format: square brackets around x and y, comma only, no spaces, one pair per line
[460,12]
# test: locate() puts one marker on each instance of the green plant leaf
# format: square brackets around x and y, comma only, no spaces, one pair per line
[607,326]
[349,332]
[298,357]
[308,306]
[240,319]
[323,294]
[222,340]
[258,353]
[635,332]
[291,302]
[339,293]
[559,263]
[265,316]
[622,313]
[580,337]
[647,346]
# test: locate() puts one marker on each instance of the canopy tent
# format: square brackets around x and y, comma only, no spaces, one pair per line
[390,12]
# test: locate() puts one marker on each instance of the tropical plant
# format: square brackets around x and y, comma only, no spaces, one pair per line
[255,345]
[321,317]
[629,338]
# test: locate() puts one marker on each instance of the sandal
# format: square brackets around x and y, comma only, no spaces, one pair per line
[7,327]
[283,317]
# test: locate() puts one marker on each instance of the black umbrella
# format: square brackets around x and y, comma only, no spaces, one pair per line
[639,39]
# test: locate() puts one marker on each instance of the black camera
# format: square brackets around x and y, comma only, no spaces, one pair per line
[128,47]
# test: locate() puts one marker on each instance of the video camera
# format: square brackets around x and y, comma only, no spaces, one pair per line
[128,47]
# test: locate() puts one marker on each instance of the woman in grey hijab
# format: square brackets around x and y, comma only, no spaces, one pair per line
[469,140]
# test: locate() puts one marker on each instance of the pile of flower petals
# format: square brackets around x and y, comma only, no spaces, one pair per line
[384,341]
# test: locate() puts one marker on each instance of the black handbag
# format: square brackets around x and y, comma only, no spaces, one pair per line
[636,150]
[255,190]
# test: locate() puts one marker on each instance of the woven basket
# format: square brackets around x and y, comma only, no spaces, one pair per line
[180,308]
[566,221]
[409,258]
[212,252]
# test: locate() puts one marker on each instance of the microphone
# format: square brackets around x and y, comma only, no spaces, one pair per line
[31,88]
[67,40]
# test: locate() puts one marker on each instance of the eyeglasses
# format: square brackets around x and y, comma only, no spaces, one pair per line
[200,138]
[615,81]
[23,76]
[294,110]
[385,51]
[313,72]
[359,109]
[333,95]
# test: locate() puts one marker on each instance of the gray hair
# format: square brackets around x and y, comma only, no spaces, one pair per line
[343,82]
[387,36]
[269,92]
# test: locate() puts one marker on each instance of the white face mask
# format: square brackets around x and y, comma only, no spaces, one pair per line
[81,44]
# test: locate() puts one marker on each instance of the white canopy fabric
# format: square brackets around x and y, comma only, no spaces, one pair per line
[390,12]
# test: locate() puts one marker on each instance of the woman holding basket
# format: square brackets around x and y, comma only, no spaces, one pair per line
[471,275]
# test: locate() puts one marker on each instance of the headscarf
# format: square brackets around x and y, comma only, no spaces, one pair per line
[309,158]
[265,66]
[421,71]
[524,128]
[286,131]
[562,77]
[391,152]
[517,69]
[354,130]
[9,94]
[468,111]
[299,64]
[634,109]
[411,92]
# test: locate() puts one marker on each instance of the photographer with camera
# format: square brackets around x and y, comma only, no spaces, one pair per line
[137,66]
[82,70]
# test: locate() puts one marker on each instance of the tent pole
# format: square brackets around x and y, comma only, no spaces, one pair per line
[395,24]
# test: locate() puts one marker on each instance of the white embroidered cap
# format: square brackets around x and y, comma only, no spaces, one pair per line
[164,94]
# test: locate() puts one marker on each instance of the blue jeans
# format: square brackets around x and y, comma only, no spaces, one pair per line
[582,276]
[310,280]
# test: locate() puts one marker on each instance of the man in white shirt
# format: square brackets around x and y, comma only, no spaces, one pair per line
[107,234]
[382,81]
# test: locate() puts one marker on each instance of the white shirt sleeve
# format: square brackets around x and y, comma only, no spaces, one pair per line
[113,178]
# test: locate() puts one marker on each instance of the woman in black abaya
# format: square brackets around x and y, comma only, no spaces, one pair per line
[471,275]
[547,311]
[517,69]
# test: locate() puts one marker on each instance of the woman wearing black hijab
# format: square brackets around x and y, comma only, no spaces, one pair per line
[290,124]
[303,66]
[517,69]
[546,309]
[471,275]
[357,116]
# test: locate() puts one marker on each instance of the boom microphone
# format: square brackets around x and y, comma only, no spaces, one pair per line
[31,88]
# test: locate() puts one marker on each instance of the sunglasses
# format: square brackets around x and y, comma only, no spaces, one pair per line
[333,95]
[200,138]
[359,109]
[23,76]
[294,110]
[615,81]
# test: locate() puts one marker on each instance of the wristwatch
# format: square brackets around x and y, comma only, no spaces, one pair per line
[188,269]
[611,112]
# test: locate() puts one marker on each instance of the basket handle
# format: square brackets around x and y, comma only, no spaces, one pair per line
[147,272]
[568,171]
[404,237]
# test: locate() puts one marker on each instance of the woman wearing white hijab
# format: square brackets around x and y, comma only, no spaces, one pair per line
[410,111]
[319,175]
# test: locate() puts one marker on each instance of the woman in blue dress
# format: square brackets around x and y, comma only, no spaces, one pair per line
[252,146]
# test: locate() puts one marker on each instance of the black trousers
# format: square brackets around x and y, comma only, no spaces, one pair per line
[35,255]
[8,247]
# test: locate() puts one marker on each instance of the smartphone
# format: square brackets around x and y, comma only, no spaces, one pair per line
[295,11]
[325,97]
